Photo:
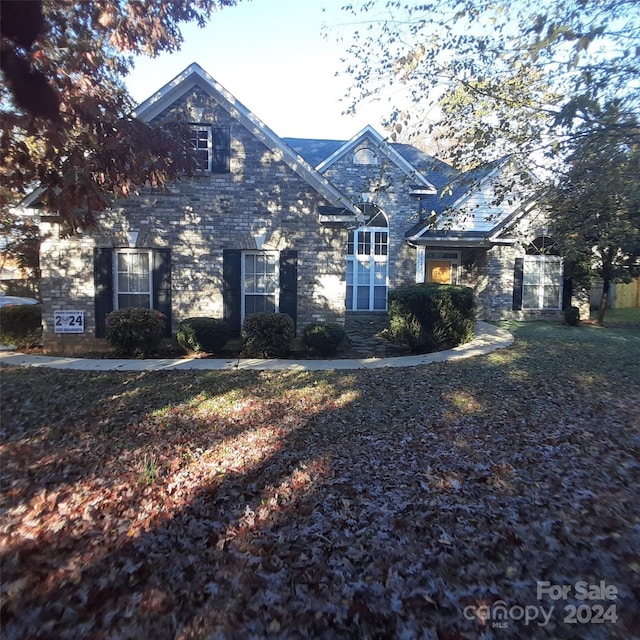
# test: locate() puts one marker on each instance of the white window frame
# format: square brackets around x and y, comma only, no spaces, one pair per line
[276,292]
[371,260]
[210,130]
[196,129]
[116,272]
[540,261]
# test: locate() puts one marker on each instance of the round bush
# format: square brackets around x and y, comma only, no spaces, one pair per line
[572,316]
[21,325]
[267,335]
[135,331]
[202,334]
[429,317]
[324,338]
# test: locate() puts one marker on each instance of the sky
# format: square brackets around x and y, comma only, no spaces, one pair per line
[272,56]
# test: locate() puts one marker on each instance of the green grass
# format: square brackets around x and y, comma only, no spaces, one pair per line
[631,315]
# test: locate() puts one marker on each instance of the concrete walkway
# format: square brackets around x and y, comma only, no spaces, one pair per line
[488,338]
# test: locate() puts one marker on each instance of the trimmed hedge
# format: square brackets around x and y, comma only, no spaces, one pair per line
[202,334]
[431,317]
[135,331]
[267,335]
[324,338]
[21,325]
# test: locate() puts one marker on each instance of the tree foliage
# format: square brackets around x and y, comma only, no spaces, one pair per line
[496,77]
[595,207]
[65,112]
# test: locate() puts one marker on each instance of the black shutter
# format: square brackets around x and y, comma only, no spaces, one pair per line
[289,283]
[221,149]
[567,292]
[232,288]
[162,285]
[518,274]
[103,283]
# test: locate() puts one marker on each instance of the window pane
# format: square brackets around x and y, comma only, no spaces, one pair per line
[552,297]
[364,269]
[380,298]
[531,297]
[381,243]
[380,273]
[362,298]
[128,301]
[552,271]
[349,272]
[531,273]
[259,304]
[350,244]
[349,301]
[364,243]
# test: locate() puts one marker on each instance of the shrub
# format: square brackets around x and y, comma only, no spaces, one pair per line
[21,325]
[267,335]
[207,335]
[324,338]
[572,316]
[135,331]
[431,317]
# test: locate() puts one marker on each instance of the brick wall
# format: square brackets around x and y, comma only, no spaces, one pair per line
[198,218]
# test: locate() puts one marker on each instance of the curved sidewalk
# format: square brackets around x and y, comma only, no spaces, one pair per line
[488,338]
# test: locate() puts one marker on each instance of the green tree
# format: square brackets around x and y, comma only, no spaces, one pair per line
[64,110]
[595,207]
[496,77]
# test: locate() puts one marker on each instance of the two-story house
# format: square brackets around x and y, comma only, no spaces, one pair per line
[318,229]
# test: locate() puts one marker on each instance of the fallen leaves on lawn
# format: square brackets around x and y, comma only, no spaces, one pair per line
[374,504]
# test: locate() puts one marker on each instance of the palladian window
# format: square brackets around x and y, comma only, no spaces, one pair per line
[367,266]
[542,275]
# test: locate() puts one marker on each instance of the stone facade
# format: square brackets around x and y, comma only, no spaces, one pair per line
[269,200]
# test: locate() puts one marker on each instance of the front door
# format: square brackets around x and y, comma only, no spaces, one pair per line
[439,271]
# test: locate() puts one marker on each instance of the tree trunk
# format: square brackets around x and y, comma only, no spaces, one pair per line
[604,301]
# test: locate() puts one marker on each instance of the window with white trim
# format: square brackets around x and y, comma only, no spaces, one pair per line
[212,146]
[542,282]
[367,267]
[542,273]
[260,282]
[133,279]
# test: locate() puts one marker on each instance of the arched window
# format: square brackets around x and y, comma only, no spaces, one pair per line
[542,275]
[365,156]
[367,264]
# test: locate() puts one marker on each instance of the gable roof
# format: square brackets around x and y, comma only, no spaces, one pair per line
[369,134]
[195,76]
[313,150]
[477,224]
[316,151]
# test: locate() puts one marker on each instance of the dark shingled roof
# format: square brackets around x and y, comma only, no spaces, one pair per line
[314,151]
[438,173]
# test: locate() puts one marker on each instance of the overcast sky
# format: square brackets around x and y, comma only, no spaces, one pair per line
[271,55]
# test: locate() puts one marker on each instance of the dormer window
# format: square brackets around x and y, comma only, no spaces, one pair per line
[212,145]
[365,156]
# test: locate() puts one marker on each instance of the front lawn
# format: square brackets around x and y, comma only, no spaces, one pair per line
[399,503]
